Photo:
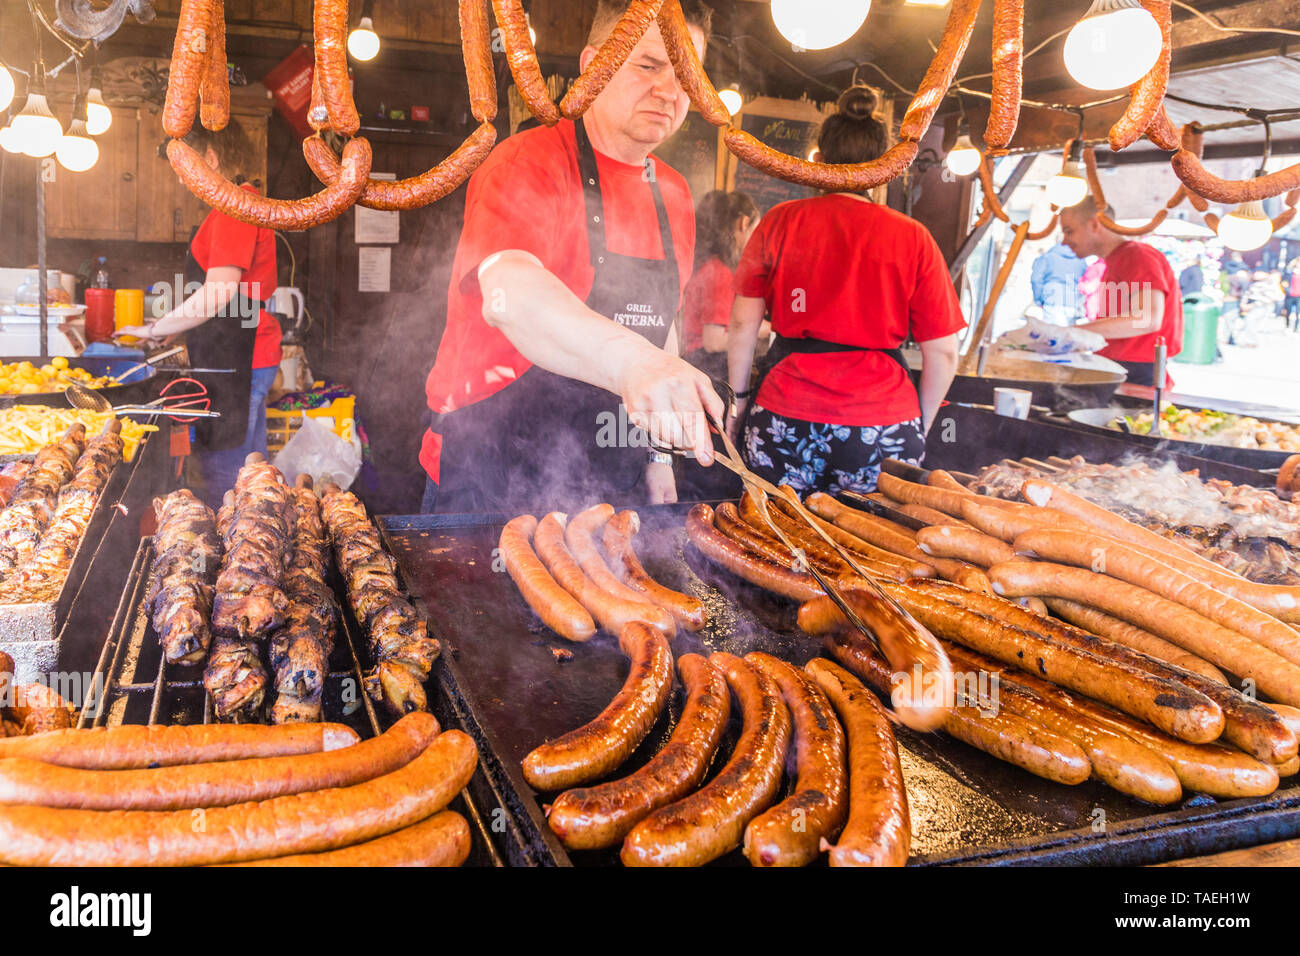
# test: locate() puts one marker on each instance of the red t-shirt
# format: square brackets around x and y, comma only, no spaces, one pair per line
[528,196]
[707,301]
[1130,268]
[844,270]
[222,241]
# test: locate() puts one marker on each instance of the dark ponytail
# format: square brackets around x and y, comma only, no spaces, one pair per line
[853,134]
[716,219]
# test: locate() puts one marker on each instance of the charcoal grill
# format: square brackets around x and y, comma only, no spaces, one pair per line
[134,684]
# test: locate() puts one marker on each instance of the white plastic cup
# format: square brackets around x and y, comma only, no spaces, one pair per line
[1012,402]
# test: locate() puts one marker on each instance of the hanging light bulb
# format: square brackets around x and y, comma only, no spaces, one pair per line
[732,98]
[98,116]
[36,130]
[963,159]
[6,88]
[7,141]
[1113,46]
[363,42]
[76,151]
[1247,227]
[1068,187]
[819,24]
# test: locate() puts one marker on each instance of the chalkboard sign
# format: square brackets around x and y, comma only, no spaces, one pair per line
[693,152]
[795,137]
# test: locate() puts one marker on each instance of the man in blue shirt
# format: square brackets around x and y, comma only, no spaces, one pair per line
[1055,282]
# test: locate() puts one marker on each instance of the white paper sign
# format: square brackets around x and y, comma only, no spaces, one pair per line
[376,225]
[374,269]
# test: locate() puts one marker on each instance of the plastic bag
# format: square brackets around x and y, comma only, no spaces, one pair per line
[315,450]
[1048,339]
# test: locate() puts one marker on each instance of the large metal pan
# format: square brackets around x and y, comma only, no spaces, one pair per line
[1098,419]
[133,390]
[1058,387]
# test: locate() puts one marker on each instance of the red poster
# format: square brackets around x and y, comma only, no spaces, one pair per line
[290,84]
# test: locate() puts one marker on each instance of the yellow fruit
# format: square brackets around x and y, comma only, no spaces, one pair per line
[59,362]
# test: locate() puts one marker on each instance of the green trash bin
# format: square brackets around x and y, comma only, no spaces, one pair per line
[1200,330]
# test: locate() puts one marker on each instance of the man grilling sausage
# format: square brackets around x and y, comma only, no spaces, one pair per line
[569,272]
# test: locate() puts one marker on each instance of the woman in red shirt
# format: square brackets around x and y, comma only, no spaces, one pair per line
[232,269]
[723,224]
[846,283]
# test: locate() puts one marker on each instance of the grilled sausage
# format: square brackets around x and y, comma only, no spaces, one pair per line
[522,57]
[1117,760]
[330,44]
[622,528]
[580,536]
[476,48]
[1247,723]
[299,823]
[590,819]
[686,64]
[1167,703]
[908,492]
[879,557]
[943,68]
[920,687]
[611,56]
[793,832]
[732,556]
[878,831]
[188,65]
[558,609]
[214,85]
[1148,94]
[1008,66]
[1162,131]
[1122,632]
[598,748]
[1272,674]
[131,746]
[1119,560]
[221,194]
[711,821]
[1282,602]
[610,611]
[415,191]
[845,177]
[441,840]
[32,782]
[1009,738]
[964,544]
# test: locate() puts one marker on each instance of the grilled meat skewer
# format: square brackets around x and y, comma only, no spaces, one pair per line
[259,543]
[29,511]
[301,647]
[399,643]
[187,555]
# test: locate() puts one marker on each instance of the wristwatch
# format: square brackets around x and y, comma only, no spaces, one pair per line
[660,458]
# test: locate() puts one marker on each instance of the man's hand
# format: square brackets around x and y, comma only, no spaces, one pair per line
[672,400]
[661,484]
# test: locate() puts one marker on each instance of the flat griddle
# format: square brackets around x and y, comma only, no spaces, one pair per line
[511,694]
[1099,419]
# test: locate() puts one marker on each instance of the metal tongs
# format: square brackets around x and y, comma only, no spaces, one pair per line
[761,488]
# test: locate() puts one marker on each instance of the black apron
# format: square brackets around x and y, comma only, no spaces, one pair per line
[222,342]
[784,347]
[545,441]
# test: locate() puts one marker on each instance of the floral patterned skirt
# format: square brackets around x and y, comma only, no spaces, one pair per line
[810,456]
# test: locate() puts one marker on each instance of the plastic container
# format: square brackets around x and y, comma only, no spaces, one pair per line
[1200,330]
[99,315]
[280,425]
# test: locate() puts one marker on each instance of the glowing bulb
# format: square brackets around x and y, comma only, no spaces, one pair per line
[76,151]
[363,42]
[1247,227]
[98,116]
[7,141]
[35,129]
[819,24]
[732,99]
[1068,187]
[963,159]
[1113,46]
[6,88]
